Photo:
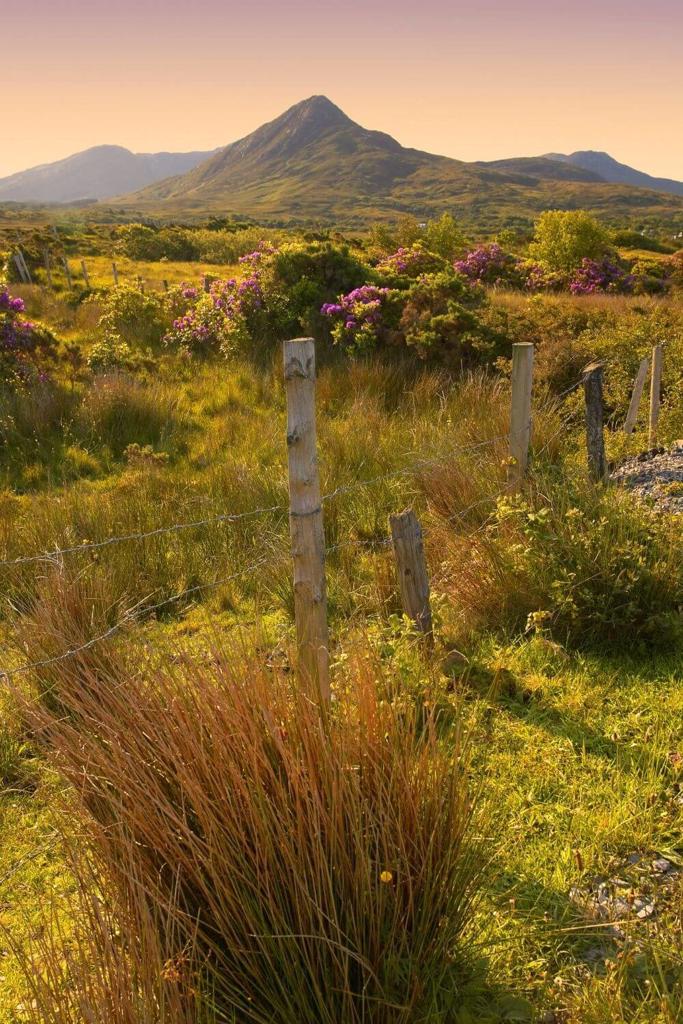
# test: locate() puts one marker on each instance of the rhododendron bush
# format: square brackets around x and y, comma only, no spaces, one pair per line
[27,348]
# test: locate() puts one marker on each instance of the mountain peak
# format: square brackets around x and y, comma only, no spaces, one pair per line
[320,108]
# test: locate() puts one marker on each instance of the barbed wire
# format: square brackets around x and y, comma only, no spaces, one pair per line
[231,517]
[128,618]
[228,517]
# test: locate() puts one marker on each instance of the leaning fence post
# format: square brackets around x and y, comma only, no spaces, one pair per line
[67,272]
[27,272]
[595,439]
[48,270]
[520,413]
[85,274]
[632,414]
[116,275]
[411,568]
[655,393]
[20,267]
[305,516]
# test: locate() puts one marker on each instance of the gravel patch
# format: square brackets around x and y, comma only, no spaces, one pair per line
[656,477]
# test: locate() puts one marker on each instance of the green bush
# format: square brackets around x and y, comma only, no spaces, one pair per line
[139,319]
[563,238]
[307,274]
[588,565]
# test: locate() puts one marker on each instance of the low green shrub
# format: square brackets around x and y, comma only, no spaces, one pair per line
[586,564]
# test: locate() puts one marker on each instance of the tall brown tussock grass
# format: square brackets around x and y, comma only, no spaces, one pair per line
[256,860]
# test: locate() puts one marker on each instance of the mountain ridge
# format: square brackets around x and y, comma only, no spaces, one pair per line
[98,172]
[615,172]
[314,164]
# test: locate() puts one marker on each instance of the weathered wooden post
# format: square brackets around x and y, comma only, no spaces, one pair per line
[48,269]
[165,284]
[632,414]
[27,272]
[85,274]
[141,284]
[67,273]
[595,440]
[20,268]
[520,413]
[116,274]
[305,516]
[411,569]
[655,393]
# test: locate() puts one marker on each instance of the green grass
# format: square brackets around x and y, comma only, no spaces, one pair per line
[580,754]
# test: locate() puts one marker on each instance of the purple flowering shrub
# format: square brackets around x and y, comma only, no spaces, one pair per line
[231,314]
[538,278]
[27,348]
[596,276]
[359,316]
[488,264]
[435,316]
[409,261]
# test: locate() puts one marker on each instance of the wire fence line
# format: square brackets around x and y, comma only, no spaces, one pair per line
[142,609]
[130,617]
[232,517]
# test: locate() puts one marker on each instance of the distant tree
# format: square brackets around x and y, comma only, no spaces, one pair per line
[444,237]
[563,238]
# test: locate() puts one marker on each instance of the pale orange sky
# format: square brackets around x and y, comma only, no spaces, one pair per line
[470,80]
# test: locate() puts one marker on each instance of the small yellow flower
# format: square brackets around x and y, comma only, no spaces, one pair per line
[386,877]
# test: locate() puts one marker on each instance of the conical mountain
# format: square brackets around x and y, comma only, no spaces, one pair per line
[313,163]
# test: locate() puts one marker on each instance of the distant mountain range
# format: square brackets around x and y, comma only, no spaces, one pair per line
[611,170]
[96,173]
[313,163]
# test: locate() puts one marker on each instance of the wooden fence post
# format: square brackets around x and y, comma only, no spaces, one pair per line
[632,414]
[305,516]
[655,393]
[67,272]
[595,440]
[27,272]
[48,269]
[20,267]
[165,284]
[85,274]
[116,274]
[411,568]
[520,414]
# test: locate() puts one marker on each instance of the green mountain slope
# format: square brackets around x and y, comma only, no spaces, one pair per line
[313,163]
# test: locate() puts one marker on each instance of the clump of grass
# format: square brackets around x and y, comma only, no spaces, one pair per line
[320,868]
[119,411]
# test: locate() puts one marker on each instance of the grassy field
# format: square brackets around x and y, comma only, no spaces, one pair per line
[557,647]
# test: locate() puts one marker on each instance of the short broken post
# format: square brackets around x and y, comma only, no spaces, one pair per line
[655,394]
[595,439]
[86,278]
[632,414]
[520,413]
[411,569]
[306,517]
[115,274]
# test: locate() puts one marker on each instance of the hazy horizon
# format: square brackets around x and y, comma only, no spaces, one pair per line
[474,84]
